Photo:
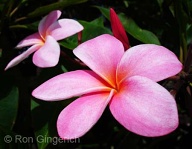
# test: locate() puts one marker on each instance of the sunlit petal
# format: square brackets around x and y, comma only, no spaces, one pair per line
[64,28]
[148,60]
[70,84]
[47,21]
[30,40]
[22,56]
[48,54]
[102,55]
[144,107]
[82,114]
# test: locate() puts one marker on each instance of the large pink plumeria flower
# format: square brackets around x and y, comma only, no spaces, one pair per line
[126,81]
[44,42]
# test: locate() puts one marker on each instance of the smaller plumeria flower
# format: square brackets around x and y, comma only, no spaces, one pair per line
[44,42]
[126,81]
[118,29]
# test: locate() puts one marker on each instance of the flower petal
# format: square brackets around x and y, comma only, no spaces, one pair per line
[151,61]
[30,40]
[48,54]
[101,54]
[144,107]
[70,84]
[22,56]
[47,21]
[64,28]
[80,116]
[118,29]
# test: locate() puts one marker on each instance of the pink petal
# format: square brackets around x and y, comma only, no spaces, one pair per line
[101,54]
[64,28]
[144,107]
[48,54]
[70,84]
[48,21]
[30,40]
[151,61]
[22,56]
[80,116]
[118,29]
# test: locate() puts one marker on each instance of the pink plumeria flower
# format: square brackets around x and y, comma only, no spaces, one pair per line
[126,81]
[44,42]
[118,29]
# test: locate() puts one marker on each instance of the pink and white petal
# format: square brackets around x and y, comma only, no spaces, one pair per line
[70,84]
[148,60]
[101,54]
[82,114]
[22,56]
[30,40]
[144,107]
[48,54]
[64,28]
[47,21]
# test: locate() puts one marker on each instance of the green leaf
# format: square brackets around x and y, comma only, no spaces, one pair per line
[8,109]
[63,68]
[189,35]
[133,29]
[70,42]
[58,5]
[160,3]
[40,122]
[104,11]
[8,139]
[99,21]
[41,135]
[183,20]
[140,34]
[44,117]
[91,29]
[3,134]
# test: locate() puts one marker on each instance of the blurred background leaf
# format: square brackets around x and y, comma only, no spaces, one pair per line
[91,30]
[133,29]
[8,109]
[58,5]
[44,117]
